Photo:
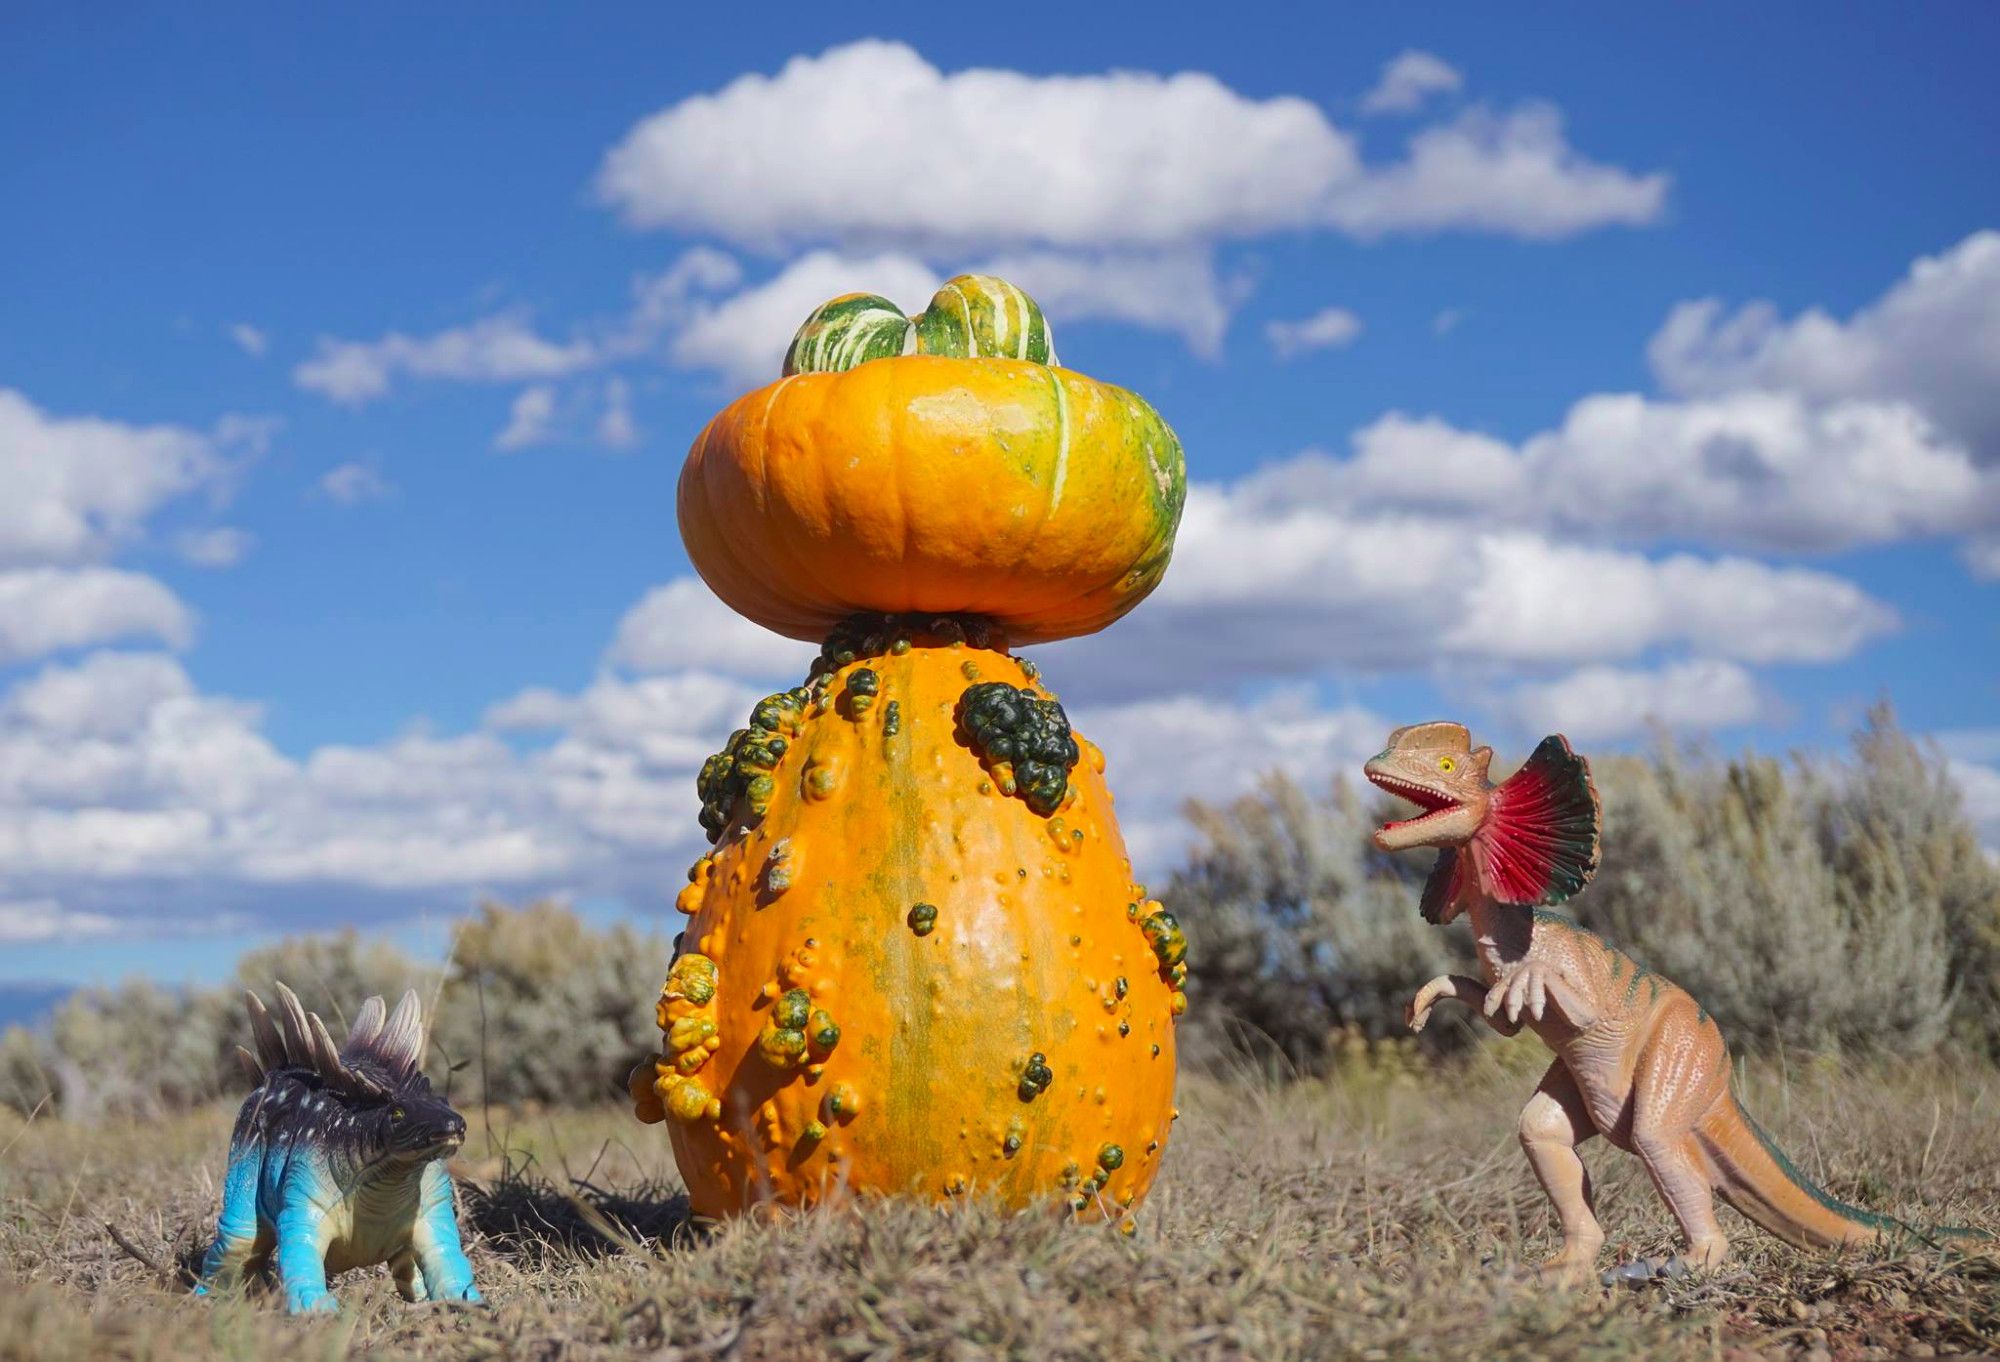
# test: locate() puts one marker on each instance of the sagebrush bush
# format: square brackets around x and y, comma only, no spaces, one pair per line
[331,973]
[1816,904]
[563,1011]
[539,1007]
[138,1050]
[1298,929]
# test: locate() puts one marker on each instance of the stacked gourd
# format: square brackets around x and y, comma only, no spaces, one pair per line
[917,960]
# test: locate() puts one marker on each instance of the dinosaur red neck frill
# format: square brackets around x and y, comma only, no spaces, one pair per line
[1538,843]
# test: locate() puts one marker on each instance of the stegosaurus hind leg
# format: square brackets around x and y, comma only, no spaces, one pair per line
[241,1245]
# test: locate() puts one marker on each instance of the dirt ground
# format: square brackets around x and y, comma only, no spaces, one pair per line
[1385,1213]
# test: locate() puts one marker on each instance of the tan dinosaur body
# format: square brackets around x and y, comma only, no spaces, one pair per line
[1638,1061]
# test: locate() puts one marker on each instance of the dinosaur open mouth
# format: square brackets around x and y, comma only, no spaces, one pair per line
[1430,801]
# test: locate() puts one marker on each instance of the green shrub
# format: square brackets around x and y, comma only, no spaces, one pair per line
[539,1007]
[1815,904]
[139,1050]
[1299,931]
[332,973]
[557,1011]
[26,1079]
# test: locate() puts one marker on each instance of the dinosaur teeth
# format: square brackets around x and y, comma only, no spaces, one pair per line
[1431,800]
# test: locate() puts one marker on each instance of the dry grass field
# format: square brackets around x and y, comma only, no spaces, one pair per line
[1381,1214]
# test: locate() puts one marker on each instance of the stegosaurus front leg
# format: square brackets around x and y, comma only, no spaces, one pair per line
[447,1273]
[305,1193]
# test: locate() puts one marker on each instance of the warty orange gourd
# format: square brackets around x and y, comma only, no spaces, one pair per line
[916,959]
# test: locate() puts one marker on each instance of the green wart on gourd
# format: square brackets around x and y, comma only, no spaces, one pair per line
[742,769]
[1036,1076]
[862,687]
[691,977]
[1025,742]
[1164,935]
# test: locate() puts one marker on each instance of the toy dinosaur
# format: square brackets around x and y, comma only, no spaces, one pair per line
[1637,1060]
[337,1160]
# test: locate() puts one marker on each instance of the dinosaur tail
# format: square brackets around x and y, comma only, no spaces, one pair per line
[1753,1175]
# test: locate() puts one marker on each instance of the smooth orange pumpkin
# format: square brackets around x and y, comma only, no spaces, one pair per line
[935,475]
[900,975]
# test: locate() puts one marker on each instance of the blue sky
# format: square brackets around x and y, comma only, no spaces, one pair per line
[1637,369]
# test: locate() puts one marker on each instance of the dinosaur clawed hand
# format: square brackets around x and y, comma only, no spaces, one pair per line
[1419,1010]
[1524,988]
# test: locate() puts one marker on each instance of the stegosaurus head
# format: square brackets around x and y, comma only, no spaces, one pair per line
[369,1096]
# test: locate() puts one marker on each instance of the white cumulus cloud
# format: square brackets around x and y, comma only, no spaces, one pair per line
[32,921]
[1329,328]
[78,487]
[127,793]
[869,145]
[350,484]
[1932,340]
[870,142]
[1513,173]
[616,429]
[1694,695]
[530,419]
[219,547]
[682,626]
[1408,81]
[1275,579]
[497,349]
[45,610]
[1748,470]
[1159,751]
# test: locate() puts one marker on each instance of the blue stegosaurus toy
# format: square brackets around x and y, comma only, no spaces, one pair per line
[337,1160]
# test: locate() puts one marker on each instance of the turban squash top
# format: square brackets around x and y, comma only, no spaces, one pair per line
[942,464]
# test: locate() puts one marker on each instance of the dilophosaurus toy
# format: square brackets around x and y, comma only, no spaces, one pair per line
[1637,1060]
[337,1160]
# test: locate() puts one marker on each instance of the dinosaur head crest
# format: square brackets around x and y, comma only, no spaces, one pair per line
[1531,839]
[1435,767]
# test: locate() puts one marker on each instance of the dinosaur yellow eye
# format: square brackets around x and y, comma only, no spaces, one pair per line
[1447,765]
[395,1113]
